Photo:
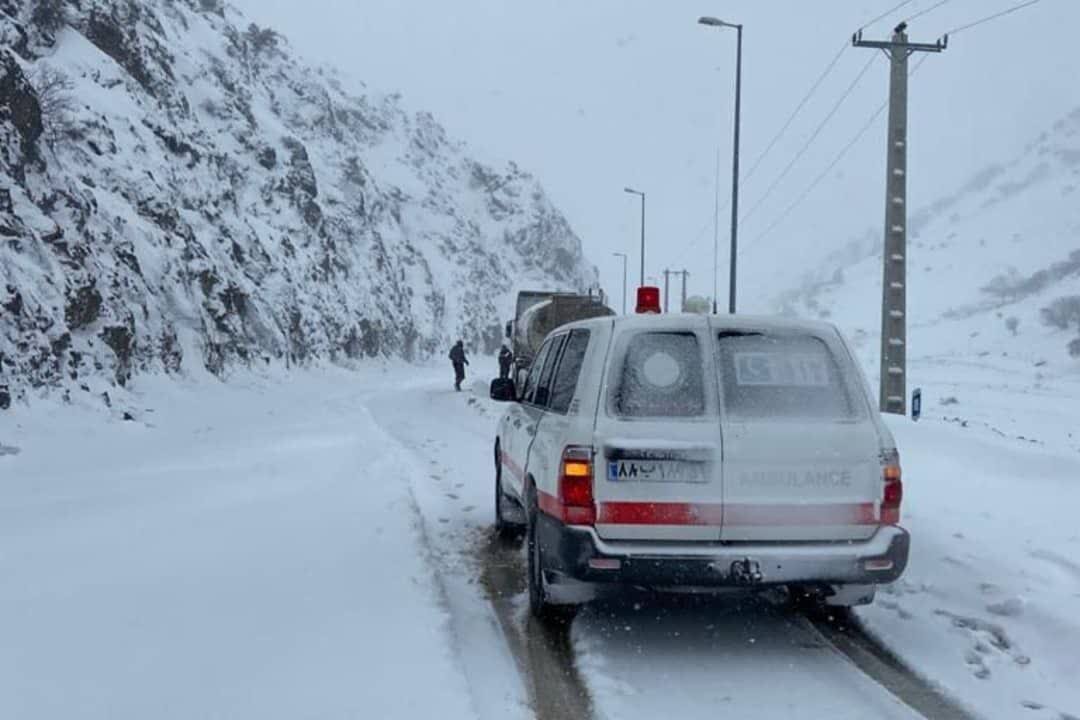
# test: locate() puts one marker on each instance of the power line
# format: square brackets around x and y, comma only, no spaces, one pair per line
[813,88]
[930,9]
[820,178]
[798,108]
[870,122]
[995,16]
[810,141]
[836,161]
[877,113]
[795,113]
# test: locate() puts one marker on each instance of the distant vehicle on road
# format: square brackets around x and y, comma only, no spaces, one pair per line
[538,312]
[688,451]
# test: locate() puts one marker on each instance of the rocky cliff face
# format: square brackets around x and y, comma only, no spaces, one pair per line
[176,188]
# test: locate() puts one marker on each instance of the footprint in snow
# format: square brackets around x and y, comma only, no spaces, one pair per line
[452,496]
[904,587]
[1009,607]
[954,561]
[992,632]
[988,637]
[895,607]
[977,664]
[8,450]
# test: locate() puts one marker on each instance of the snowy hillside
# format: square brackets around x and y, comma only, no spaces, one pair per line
[994,269]
[177,190]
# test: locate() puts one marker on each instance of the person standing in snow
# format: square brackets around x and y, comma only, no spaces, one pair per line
[457,357]
[506,359]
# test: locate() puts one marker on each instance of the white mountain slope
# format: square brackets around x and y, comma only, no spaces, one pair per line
[190,194]
[983,264]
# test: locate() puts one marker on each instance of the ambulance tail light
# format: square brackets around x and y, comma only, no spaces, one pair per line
[576,501]
[894,488]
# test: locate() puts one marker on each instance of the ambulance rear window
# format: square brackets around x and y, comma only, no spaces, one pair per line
[661,376]
[766,375]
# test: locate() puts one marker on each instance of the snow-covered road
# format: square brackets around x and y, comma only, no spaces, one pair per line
[239,552]
[318,545]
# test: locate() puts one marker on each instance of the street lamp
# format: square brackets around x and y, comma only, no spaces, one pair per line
[642,195]
[623,256]
[714,22]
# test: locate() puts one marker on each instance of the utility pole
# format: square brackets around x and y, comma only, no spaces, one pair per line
[685,274]
[623,256]
[640,194]
[667,285]
[893,385]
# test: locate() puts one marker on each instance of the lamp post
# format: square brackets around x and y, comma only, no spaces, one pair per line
[642,195]
[714,22]
[623,256]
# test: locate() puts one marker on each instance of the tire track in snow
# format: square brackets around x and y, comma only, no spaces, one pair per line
[425,422]
[841,630]
[474,630]
[544,653]
[446,498]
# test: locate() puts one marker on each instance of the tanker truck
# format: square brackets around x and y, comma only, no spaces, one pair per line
[538,312]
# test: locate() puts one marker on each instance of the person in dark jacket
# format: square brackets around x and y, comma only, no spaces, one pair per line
[506,359]
[457,357]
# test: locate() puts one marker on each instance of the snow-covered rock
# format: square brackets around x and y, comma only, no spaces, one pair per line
[178,190]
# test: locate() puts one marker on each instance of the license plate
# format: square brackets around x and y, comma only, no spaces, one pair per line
[672,471]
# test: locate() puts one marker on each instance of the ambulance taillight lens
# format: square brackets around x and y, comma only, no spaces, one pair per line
[576,486]
[894,491]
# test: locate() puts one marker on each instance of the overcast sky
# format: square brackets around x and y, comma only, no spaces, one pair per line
[594,95]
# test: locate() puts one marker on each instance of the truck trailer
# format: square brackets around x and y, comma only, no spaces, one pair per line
[538,312]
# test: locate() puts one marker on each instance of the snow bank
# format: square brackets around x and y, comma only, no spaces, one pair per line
[990,602]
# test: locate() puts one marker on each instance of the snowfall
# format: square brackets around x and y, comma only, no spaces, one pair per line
[307,544]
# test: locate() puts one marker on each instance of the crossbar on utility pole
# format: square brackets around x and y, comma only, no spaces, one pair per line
[893,384]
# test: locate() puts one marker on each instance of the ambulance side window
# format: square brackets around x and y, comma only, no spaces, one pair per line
[543,389]
[533,378]
[566,377]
